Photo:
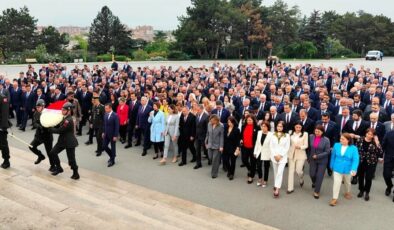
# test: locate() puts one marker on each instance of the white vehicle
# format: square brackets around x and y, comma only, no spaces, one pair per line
[374,55]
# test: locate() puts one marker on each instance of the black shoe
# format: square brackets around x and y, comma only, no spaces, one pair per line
[313,185]
[22,129]
[143,153]
[5,165]
[354,180]
[79,134]
[181,164]
[52,168]
[209,162]
[98,154]
[197,167]
[224,169]
[138,144]
[242,166]
[128,146]
[155,157]
[111,163]
[39,159]
[193,160]
[360,194]
[213,177]
[75,175]
[366,198]
[33,128]
[57,171]
[88,143]
[329,172]
[388,191]
[231,177]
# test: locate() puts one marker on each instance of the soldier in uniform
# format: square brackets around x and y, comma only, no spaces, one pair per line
[66,140]
[96,125]
[42,136]
[4,125]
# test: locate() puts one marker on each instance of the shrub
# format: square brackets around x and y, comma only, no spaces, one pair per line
[140,55]
[104,57]
[177,55]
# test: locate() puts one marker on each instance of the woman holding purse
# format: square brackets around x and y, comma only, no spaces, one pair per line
[297,155]
[262,153]
[279,147]
[231,150]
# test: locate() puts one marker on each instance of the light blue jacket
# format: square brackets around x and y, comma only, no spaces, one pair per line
[157,127]
[346,163]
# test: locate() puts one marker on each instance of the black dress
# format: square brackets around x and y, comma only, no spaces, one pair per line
[231,142]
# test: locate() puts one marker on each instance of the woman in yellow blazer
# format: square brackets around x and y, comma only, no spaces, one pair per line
[297,155]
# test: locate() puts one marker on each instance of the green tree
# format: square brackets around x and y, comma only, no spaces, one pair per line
[53,40]
[17,31]
[314,32]
[107,31]
[160,36]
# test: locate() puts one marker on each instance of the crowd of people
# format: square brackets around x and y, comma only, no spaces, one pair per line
[341,123]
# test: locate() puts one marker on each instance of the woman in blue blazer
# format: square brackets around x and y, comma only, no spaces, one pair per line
[344,163]
[157,128]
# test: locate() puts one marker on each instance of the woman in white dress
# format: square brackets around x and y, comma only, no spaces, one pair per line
[279,147]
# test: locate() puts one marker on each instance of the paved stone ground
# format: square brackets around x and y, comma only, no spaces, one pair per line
[296,211]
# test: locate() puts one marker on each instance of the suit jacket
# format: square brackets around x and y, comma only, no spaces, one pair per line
[361,106]
[157,127]
[111,125]
[322,151]
[313,113]
[346,163]
[382,116]
[231,141]
[289,125]
[172,125]
[86,102]
[388,147]
[280,146]
[309,125]
[16,97]
[187,129]
[133,112]
[215,136]
[224,116]
[28,101]
[387,126]
[338,120]
[142,117]
[390,110]
[201,126]
[332,131]
[379,130]
[298,154]
[263,149]
[362,127]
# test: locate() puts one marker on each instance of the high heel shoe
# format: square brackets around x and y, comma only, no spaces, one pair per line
[163,162]
[174,160]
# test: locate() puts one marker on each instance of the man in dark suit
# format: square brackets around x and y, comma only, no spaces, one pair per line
[343,118]
[381,113]
[27,106]
[262,106]
[85,101]
[288,117]
[187,135]
[201,132]
[16,102]
[110,133]
[388,166]
[377,125]
[221,112]
[356,125]
[244,107]
[59,96]
[331,131]
[390,108]
[142,125]
[312,112]
[307,123]
[358,104]
[323,109]
[134,107]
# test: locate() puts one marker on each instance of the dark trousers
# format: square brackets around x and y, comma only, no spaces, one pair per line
[99,138]
[130,133]
[110,151]
[259,165]
[184,145]
[159,147]
[26,115]
[82,123]
[200,144]
[249,161]
[146,133]
[365,174]
[19,115]
[5,151]
[229,162]
[388,168]
[122,132]
[54,154]
[48,147]
[11,112]
[316,172]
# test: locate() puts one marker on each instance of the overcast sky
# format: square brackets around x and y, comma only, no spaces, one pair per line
[162,14]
